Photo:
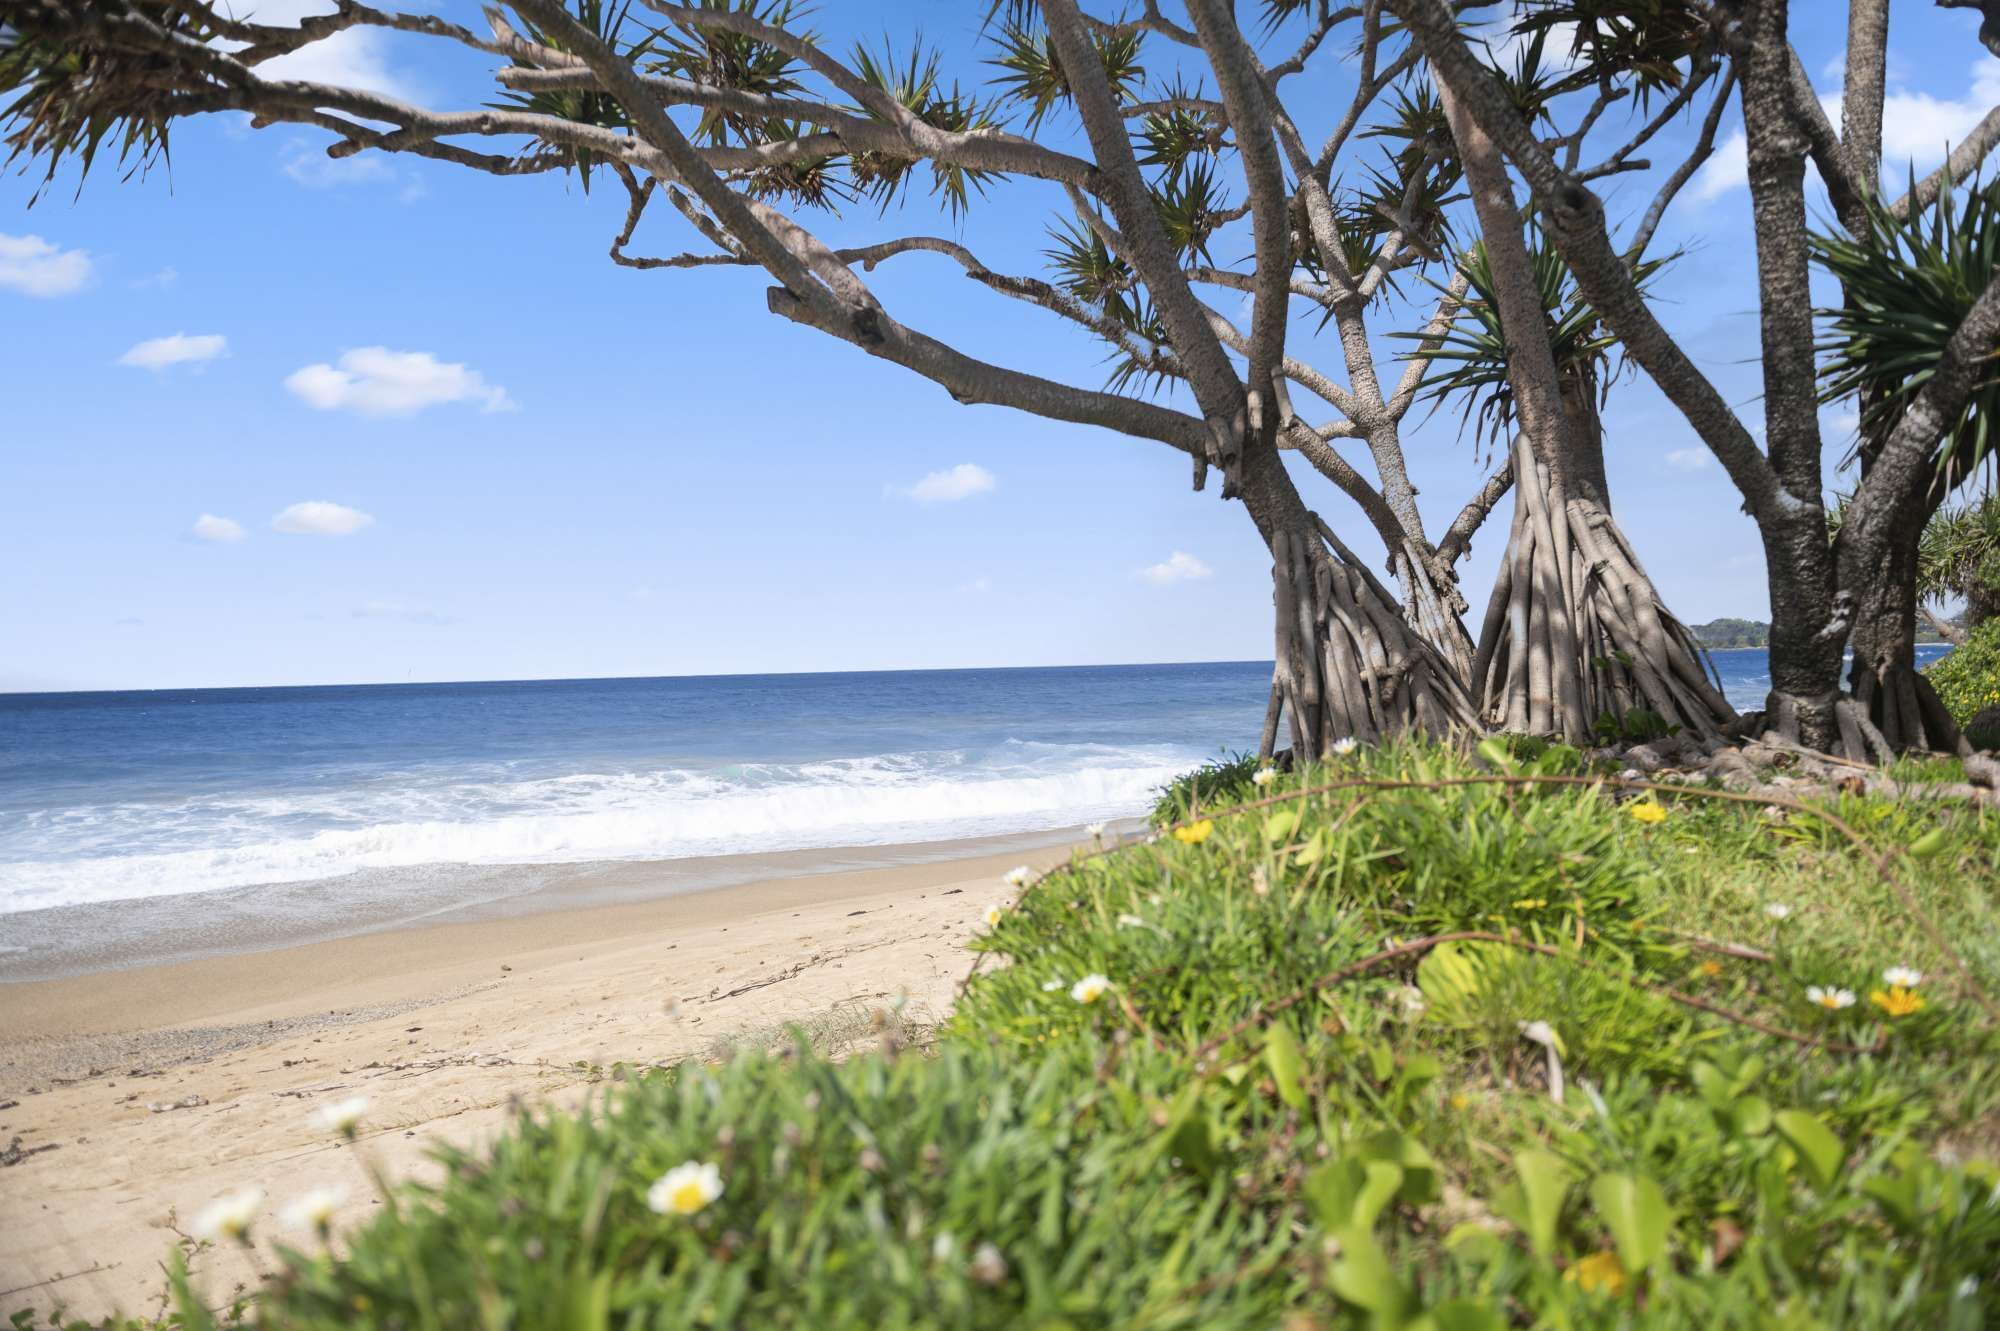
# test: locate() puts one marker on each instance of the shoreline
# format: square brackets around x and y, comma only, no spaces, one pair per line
[140,1095]
[76,941]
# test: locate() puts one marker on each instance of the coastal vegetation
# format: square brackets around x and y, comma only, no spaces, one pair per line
[1239,251]
[1408,1038]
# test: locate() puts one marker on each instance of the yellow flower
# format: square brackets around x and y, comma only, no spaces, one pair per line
[1531,903]
[685,1189]
[1460,1101]
[1601,1272]
[1194,833]
[1646,811]
[1898,1002]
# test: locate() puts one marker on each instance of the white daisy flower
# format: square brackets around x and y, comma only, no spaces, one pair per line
[229,1217]
[1833,1000]
[993,914]
[685,1189]
[1263,776]
[1131,922]
[1778,910]
[314,1209]
[1902,977]
[1089,989]
[343,1116]
[1345,745]
[1050,986]
[1019,875]
[1096,831]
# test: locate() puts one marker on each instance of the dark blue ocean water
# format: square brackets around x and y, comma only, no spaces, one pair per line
[364,791]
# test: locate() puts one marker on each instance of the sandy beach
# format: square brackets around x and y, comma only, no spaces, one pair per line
[134,1097]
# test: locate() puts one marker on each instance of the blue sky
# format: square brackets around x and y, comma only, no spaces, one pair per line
[570,469]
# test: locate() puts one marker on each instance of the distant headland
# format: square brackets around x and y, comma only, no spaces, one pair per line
[1722,634]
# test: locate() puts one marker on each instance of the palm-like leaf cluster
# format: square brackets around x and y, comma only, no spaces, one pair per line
[1909,282]
[919,88]
[1470,360]
[1032,74]
[1958,556]
[1649,46]
[585,106]
[66,98]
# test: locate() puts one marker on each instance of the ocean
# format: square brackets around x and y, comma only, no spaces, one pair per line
[176,822]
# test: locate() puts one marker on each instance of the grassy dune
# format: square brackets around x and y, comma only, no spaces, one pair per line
[1230,1077]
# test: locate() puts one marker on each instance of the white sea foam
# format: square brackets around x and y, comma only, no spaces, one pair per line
[129,851]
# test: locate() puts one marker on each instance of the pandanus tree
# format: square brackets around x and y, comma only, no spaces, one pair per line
[1909,278]
[1572,611]
[1822,587]
[1958,559]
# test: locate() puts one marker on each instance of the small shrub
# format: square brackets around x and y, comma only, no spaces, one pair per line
[1967,679]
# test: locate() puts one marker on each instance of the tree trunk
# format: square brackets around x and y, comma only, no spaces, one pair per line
[1902,708]
[1349,664]
[1575,632]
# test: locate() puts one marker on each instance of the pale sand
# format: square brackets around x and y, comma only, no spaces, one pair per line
[439,1027]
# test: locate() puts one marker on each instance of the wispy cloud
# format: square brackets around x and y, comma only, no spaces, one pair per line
[1687,459]
[36,267]
[375,381]
[949,486]
[1180,566]
[320,517]
[158,353]
[221,531]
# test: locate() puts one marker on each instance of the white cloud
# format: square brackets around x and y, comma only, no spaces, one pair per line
[208,527]
[158,353]
[1180,566]
[1918,131]
[1687,459]
[34,267]
[1727,168]
[976,587]
[944,487]
[408,614]
[375,381]
[318,517]
[356,58]
[166,277]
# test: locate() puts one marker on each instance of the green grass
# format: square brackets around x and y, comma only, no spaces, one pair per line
[1275,1113]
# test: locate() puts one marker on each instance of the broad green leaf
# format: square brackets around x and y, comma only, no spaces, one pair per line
[1495,753]
[1313,851]
[1419,1170]
[1281,823]
[1752,1116]
[1635,1211]
[1545,1181]
[1363,1277]
[1815,1143]
[1288,1066]
[1351,1192]
[1927,845]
